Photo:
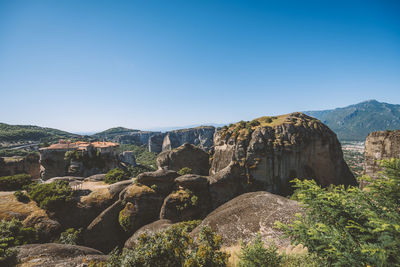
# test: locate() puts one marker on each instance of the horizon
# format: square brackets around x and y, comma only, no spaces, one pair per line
[94,65]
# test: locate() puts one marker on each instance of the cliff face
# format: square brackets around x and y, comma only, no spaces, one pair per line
[55,163]
[16,165]
[274,150]
[137,138]
[200,136]
[380,145]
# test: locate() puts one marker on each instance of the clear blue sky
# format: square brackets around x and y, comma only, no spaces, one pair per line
[82,65]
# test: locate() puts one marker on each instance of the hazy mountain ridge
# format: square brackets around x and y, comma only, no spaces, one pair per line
[356,121]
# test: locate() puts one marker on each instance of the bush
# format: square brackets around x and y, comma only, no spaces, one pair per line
[21,196]
[71,237]
[138,169]
[51,196]
[116,175]
[350,226]
[174,247]
[14,182]
[185,170]
[13,233]
[255,254]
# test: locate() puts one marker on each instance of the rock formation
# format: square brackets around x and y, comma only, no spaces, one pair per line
[274,150]
[251,213]
[201,136]
[380,145]
[16,165]
[53,254]
[78,159]
[186,155]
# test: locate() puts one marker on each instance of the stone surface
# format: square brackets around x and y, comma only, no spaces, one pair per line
[128,157]
[48,229]
[273,151]
[244,216]
[227,184]
[200,136]
[163,179]
[17,165]
[60,255]
[138,203]
[151,228]
[96,178]
[380,145]
[186,155]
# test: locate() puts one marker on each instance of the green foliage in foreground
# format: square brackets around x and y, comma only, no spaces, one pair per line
[13,233]
[21,196]
[350,226]
[14,182]
[255,254]
[185,170]
[138,169]
[116,175]
[71,237]
[51,196]
[174,247]
[142,155]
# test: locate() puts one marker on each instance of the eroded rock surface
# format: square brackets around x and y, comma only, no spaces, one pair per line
[244,216]
[380,145]
[53,254]
[274,150]
[186,155]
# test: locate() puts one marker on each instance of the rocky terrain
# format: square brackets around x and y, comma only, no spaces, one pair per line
[273,150]
[15,165]
[380,145]
[233,190]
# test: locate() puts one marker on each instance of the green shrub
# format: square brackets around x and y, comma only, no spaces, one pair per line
[21,196]
[138,169]
[13,233]
[116,175]
[185,170]
[351,226]
[71,237]
[255,254]
[143,157]
[14,182]
[173,247]
[51,196]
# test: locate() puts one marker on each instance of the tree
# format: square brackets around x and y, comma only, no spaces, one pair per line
[349,226]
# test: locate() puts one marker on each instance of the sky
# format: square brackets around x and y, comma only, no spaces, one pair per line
[82,65]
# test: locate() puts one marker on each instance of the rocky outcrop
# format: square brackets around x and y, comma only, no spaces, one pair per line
[59,160]
[248,214]
[273,150]
[162,179]
[17,165]
[128,157]
[155,143]
[380,145]
[186,155]
[138,138]
[151,228]
[53,254]
[200,136]
[138,205]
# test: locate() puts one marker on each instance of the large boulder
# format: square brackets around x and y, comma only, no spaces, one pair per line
[150,228]
[378,146]
[186,155]
[138,205]
[53,254]
[189,201]
[200,136]
[48,229]
[162,179]
[274,150]
[246,215]
[227,184]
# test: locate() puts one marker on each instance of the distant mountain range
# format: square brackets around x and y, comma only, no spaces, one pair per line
[355,122]
[351,123]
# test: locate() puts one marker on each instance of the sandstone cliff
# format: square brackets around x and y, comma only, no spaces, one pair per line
[274,150]
[380,145]
[16,165]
